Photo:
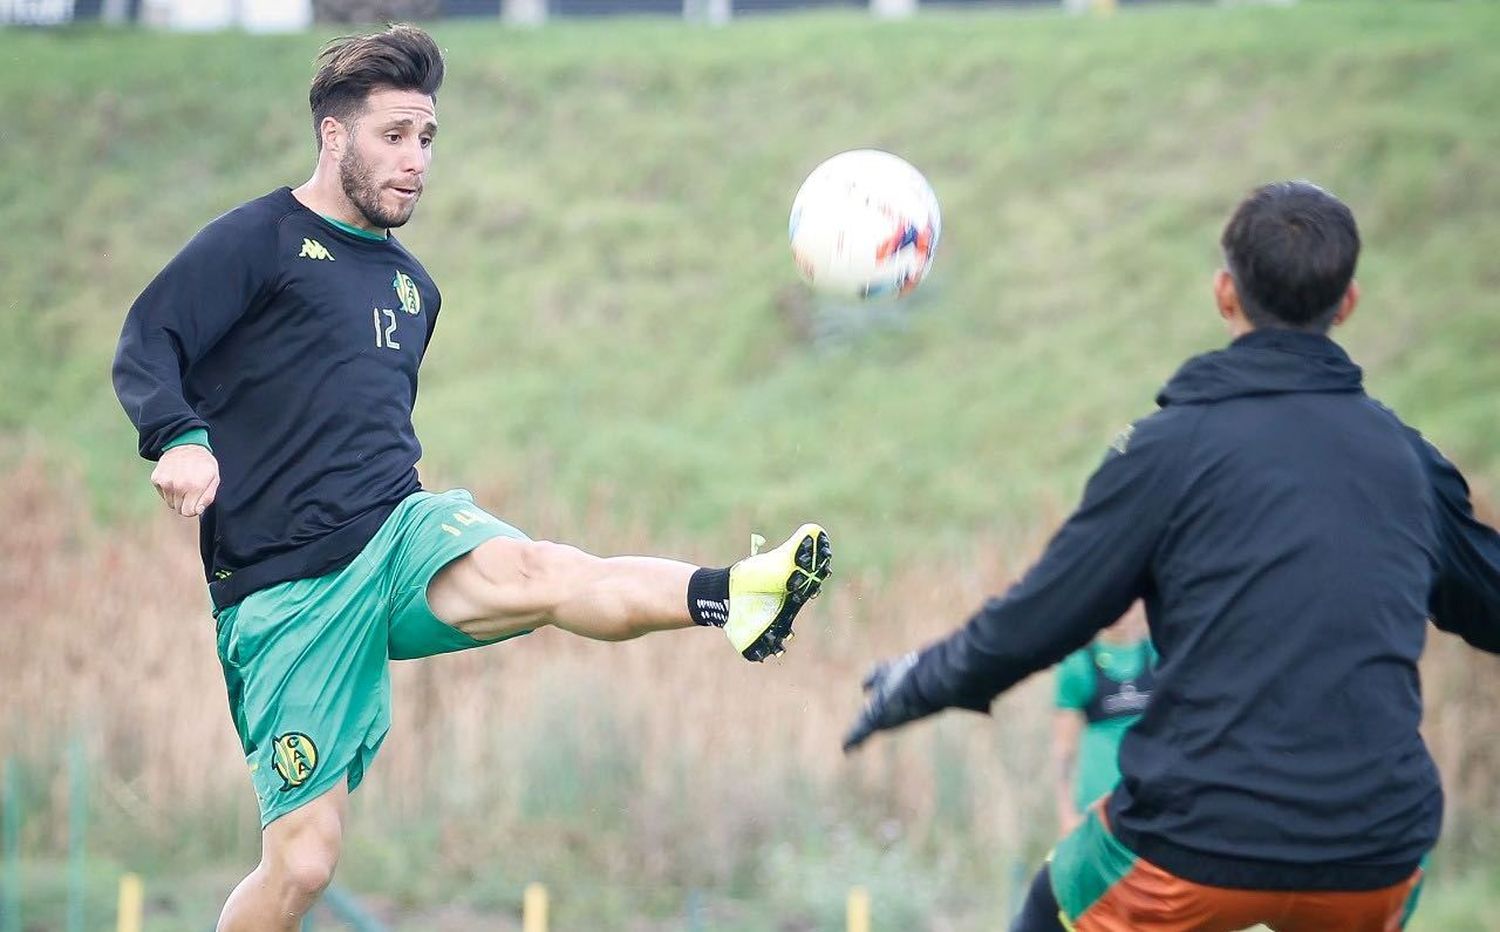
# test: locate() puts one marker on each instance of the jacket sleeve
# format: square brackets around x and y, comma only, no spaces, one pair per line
[1465,598]
[1092,570]
[217,277]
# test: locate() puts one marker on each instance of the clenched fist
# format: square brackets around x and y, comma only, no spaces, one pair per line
[187,479]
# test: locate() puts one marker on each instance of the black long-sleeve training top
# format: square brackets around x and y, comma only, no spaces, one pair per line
[1291,538]
[296,344]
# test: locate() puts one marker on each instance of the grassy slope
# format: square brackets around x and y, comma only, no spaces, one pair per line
[621,319]
[623,332]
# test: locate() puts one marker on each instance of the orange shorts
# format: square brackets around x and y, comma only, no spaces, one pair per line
[1102,886]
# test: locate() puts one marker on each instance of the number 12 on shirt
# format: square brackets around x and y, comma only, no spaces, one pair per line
[385,331]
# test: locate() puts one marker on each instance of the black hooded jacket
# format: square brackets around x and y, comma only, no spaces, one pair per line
[1291,537]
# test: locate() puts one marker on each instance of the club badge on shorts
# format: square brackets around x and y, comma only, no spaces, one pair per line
[294,757]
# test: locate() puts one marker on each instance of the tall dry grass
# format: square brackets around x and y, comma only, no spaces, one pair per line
[683,755]
[109,640]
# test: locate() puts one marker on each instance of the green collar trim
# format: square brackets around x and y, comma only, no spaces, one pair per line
[356,231]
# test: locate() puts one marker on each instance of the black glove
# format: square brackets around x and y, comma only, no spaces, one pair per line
[891,700]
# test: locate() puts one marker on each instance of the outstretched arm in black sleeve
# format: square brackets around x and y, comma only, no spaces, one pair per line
[1093,568]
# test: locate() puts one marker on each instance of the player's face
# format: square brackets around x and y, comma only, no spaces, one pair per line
[384,166]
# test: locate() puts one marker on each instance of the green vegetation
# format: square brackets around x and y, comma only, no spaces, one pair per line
[626,356]
[621,319]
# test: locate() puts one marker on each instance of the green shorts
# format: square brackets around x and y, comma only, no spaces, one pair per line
[306,661]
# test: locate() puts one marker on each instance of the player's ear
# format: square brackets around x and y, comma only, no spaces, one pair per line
[1226,296]
[333,135]
[1347,303]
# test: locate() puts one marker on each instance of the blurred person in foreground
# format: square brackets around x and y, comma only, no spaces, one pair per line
[1290,538]
[288,334]
[1101,690]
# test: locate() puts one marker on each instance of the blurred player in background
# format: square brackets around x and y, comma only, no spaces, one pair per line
[1101,691]
[1290,537]
[271,370]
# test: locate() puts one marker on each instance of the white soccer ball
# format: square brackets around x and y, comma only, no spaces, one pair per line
[865,224]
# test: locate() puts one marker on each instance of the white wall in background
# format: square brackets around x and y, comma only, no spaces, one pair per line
[254,15]
[277,15]
[36,12]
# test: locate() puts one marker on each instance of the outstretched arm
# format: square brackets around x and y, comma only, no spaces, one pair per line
[1465,597]
[1090,573]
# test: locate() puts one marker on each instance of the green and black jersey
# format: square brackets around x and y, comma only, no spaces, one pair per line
[1110,686]
[295,343]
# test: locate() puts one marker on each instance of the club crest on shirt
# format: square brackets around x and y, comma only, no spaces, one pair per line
[407,293]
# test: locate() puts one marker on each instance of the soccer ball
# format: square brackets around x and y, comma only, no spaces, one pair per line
[865,224]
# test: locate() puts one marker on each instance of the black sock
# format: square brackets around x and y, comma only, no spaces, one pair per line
[708,597]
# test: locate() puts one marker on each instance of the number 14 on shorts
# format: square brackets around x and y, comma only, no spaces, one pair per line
[466,518]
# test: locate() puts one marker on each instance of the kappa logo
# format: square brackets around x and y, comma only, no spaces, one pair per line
[407,293]
[1128,699]
[294,757]
[312,249]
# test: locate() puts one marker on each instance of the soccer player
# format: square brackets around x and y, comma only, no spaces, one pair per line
[1290,537]
[271,370]
[1101,691]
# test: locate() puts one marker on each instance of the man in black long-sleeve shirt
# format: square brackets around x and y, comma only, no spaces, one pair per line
[288,334]
[1291,538]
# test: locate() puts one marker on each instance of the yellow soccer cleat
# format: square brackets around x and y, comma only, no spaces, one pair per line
[766,590]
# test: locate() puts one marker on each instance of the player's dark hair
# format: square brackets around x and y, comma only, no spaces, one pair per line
[403,57]
[1291,248]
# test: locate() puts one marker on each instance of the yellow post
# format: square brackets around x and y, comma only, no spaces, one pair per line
[859,910]
[132,898]
[534,909]
[1105,7]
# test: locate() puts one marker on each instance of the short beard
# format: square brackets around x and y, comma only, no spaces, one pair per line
[363,191]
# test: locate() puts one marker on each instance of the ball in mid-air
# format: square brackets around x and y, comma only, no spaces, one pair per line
[865,224]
